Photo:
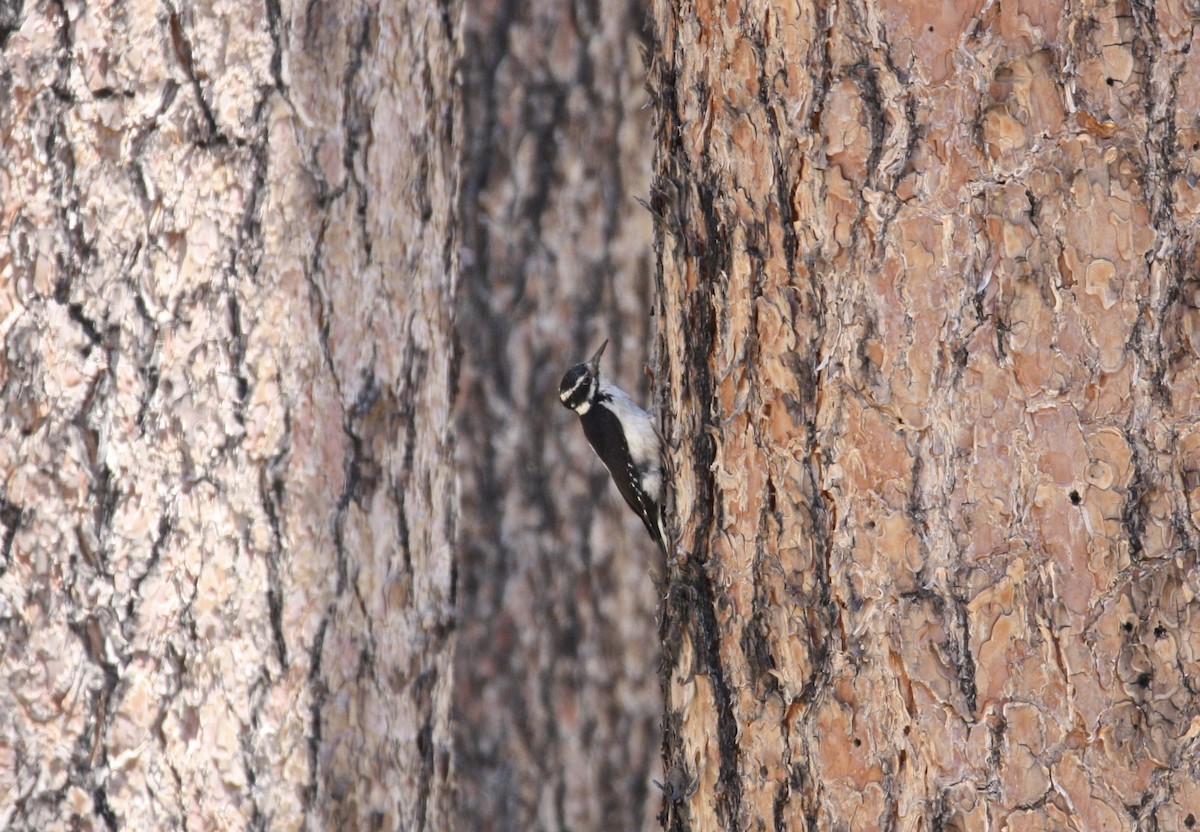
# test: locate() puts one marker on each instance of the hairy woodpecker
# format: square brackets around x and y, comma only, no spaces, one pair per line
[622,435]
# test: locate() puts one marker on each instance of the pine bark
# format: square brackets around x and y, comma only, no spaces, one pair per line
[226,588]
[557,702]
[928,340]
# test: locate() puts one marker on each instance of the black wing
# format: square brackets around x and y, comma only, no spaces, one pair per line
[603,431]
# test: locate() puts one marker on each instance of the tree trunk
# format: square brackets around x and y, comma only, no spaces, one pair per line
[929,365]
[557,707]
[226,590]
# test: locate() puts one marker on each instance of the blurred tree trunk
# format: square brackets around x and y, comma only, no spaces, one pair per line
[928,344]
[557,706]
[226,594]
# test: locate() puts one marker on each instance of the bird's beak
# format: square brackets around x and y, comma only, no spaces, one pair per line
[595,362]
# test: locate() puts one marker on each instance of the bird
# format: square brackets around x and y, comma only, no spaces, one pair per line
[623,435]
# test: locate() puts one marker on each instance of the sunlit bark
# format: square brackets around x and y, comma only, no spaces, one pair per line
[928,352]
[229,259]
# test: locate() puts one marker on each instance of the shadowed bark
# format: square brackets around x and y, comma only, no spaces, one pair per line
[557,708]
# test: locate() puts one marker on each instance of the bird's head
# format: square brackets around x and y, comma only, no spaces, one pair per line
[581,384]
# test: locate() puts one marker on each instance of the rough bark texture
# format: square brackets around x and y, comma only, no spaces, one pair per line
[557,706]
[226,593]
[929,352]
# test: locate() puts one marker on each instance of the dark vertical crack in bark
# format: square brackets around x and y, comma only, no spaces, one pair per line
[11,15]
[1159,174]
[93,632]
[181,43]
[356,121]
[10,518]
[960,654]
[691,605]
[318,694]
[1135,510]
[275,30]
[316,276]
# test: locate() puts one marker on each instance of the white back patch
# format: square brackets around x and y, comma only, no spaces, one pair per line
[644,448]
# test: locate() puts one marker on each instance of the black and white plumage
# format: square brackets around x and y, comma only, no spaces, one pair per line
[622,435]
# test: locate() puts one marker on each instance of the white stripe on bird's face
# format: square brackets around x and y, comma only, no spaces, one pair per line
[585,380]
